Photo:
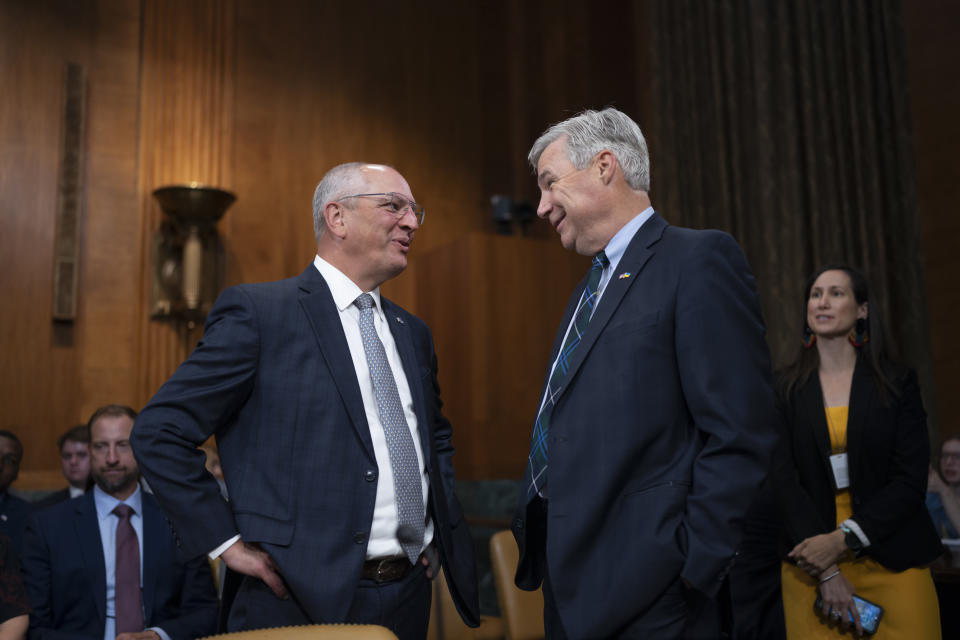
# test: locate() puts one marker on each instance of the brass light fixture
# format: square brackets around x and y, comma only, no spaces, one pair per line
[187,254]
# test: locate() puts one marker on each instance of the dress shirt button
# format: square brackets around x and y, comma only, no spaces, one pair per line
[360,537]
[370,475]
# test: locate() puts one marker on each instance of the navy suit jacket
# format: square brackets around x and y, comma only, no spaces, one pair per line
[14,512]
[63,570]
[54,498]
[274,380]
[660,435]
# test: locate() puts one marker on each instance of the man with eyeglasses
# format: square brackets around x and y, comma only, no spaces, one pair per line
[324,401]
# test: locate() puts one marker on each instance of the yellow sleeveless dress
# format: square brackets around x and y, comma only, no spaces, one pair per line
[908,598]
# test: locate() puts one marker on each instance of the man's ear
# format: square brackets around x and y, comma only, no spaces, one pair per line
[333,216]
[607,165]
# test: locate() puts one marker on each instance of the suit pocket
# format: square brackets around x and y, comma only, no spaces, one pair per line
[654,513]
[642,322]
[257,528]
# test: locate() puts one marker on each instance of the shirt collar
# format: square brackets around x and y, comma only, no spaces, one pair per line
[619,242]
[343,289]
[106,503]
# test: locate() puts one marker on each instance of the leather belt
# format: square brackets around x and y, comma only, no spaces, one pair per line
[386,569]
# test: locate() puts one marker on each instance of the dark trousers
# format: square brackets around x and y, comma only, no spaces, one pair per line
[403,606]
[678,614]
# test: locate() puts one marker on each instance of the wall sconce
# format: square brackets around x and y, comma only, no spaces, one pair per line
[187,254]
[506,211]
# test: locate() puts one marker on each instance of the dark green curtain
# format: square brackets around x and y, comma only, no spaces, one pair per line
[786,123]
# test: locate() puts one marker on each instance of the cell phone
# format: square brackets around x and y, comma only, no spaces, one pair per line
[870,613]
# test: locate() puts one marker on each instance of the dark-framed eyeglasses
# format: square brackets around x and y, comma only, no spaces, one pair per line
[395,203]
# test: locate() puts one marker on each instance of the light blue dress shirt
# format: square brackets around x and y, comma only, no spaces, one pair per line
[107,520]
[615,249]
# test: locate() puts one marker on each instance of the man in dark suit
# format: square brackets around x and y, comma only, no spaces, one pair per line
[14,511]
[83,558]
[654,428]
[324,401]
[74,451]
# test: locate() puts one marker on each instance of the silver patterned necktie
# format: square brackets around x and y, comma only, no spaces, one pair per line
[403,456]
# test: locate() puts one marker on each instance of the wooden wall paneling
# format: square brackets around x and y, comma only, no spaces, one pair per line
[187,77]
[109,287]
[494,304]
[52,377]
[29,150]
[935,100]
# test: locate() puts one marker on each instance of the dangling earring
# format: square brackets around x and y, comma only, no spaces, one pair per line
[809,337]
[860,334]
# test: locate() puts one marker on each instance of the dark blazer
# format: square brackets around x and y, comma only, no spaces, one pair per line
[660,435]
[888,457]
[54,498]
[14,512]
[63,570]
[274,380]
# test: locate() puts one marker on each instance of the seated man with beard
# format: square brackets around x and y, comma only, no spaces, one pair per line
[105,565]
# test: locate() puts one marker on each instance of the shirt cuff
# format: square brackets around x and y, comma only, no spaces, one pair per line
[160,632]
[216,553]
[853,526]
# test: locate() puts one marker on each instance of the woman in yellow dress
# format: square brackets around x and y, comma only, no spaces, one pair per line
[852,474]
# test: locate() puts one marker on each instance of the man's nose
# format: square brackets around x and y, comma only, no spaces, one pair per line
[543,208]
[409,219]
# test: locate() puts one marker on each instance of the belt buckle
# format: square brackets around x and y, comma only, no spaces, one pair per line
[380,569]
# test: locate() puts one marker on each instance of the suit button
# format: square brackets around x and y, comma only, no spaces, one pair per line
[359,537]
[370,475]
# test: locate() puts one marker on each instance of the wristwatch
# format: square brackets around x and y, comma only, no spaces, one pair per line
[851,539]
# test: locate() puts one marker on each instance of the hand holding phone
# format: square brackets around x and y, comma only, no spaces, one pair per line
[870,613]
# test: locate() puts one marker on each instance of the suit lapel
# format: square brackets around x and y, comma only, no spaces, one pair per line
[87,530]
[324,318]
[404,341]
[154,530]
[862,397]
[812,403]
[638,252]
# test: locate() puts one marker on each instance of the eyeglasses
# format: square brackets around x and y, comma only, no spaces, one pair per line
[949,456]
[395,203]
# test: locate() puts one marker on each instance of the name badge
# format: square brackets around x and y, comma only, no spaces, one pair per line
[841,473]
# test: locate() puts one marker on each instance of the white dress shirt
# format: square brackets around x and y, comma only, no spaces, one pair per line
[382,541]
[383,532]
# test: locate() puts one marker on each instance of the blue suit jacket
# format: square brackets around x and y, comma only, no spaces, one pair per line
[661,433]
[14,512]
[63,570]
[274,380]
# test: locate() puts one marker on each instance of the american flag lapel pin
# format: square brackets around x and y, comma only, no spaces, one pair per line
[624,275]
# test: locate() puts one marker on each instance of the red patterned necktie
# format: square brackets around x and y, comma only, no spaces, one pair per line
[127,604]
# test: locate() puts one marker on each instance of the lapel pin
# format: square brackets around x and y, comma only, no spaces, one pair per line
[624,275]
[400,320]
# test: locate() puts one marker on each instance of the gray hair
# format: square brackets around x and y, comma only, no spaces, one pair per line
[590,132]
[337,183]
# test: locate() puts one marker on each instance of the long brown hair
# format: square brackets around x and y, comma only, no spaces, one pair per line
[873,353]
